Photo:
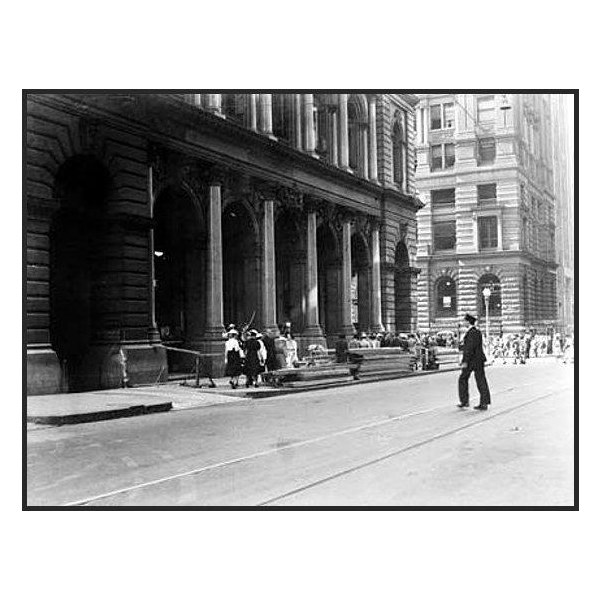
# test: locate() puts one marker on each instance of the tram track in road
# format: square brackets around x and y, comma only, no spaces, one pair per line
[404,449]
[111,495]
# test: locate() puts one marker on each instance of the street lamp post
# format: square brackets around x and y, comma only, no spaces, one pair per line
[486,296]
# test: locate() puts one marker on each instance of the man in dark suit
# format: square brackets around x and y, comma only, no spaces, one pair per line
[473,360]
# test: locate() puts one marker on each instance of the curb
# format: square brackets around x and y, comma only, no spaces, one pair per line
[105,415]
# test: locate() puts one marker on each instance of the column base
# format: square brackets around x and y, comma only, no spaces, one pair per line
[347,330]
[154,335]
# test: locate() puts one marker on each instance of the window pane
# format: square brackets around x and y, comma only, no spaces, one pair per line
[449,116]
[487,151]
[436,158]
[488,232]
[450,159]
[486,109]
[444,236]
[486,191]
[436,116]
[446,196]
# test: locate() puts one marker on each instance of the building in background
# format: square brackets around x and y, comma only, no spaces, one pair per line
[485,173]
[153,220]
[563,119]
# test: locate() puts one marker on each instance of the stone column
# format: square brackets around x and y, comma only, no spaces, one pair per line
[313,326]
[153,332]
[344,154]
[269,293]
[334,137]
[364,140]
[253,114]
[298,120]
[213,103]
[373,176]
[376,322]
[214,318]
[266,114]
[347,328]
[309,125]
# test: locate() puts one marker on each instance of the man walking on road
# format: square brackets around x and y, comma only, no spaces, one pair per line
[473,360]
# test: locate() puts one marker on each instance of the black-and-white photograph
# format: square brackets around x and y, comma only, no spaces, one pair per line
[291,299]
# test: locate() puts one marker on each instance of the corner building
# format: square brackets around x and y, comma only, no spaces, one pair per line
[155,219]
[485,175]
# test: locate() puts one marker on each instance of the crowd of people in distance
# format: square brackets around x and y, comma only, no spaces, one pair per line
[518,348]
[252,353]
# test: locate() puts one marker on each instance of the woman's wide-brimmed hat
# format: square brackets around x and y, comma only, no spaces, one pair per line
[233,332]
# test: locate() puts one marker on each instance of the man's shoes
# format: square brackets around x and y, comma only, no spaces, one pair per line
[481,407]
[463,405]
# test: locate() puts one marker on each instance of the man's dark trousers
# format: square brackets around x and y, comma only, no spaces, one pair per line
[482,385]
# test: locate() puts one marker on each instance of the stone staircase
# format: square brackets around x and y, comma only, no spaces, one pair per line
[322,370]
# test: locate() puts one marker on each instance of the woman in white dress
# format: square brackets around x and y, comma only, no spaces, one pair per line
[291,351]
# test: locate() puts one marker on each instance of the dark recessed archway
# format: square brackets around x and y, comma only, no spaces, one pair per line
[179,260]
[402,288]
[290,257]
[77,234]
[329,265]
[361,302]
[241,264]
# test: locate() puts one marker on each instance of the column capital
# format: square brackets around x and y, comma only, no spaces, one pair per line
[313,204]
[375,223]
[346,215]
[216,175]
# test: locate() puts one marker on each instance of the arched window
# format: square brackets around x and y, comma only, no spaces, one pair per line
[357,135]
[445,290]
[283,117]
[399,150]
[495,304]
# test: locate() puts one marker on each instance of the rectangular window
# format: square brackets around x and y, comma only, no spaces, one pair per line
[486,191]
[486,110]
[488,233]
[444,236]
[449,115]
[449,156]
[436,116]
[437,159]
[444,197]
[486,151]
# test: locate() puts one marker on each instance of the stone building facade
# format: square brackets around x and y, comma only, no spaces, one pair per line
[485,174]
[155,219]
[563,119]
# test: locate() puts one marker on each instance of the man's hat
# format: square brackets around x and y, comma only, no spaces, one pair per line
[471,319]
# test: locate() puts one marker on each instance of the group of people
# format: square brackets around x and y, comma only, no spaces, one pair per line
[518,348]
[252,353]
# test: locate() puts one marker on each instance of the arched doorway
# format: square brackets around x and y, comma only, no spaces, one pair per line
[77,246]
[290,256]
[445,297]
[361,302]
[241,265]
[402,285]
[180,269]
[330,285]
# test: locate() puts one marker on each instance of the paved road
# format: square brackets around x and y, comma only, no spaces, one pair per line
[399,442]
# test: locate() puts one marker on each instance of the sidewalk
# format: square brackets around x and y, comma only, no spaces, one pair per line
[86,407]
